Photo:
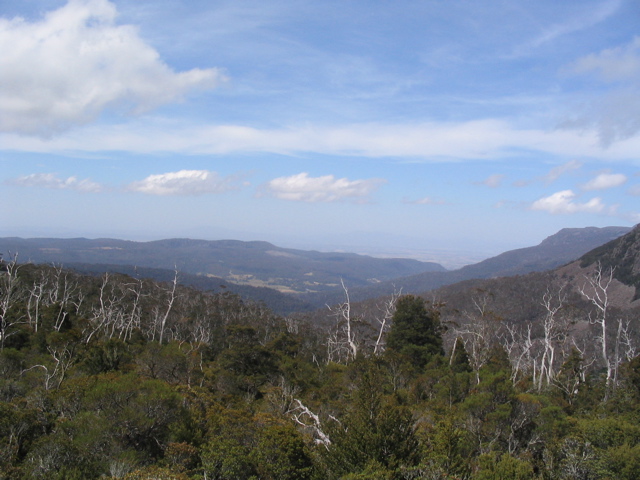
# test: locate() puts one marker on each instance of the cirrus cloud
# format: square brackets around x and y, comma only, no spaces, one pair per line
[327,188]
[184,182]
[67,68]
[563,203]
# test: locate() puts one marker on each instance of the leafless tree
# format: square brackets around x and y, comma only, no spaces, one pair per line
[518,343]
[10,293]
[172,299]
[387,310]
[479,331]
[596,291]
[555,334]
[341,343]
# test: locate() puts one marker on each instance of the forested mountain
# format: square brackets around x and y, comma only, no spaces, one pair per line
[278,277]
[526,377]
[258,264]
[558,249]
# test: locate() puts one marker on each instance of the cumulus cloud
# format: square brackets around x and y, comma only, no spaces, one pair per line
[303,188]
[563,202]
[604,181]
[493,181]
[51,180]
[75,62]
[184,182]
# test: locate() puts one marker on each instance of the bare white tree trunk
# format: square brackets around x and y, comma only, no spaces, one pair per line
[388,309]
[596,290]
[341,342]
[172,298]
[555,330]
[9,294]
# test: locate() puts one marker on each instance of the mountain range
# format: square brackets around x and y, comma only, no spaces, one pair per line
[289,280]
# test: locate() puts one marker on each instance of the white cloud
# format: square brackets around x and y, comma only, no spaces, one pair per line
[484,139]
[303,188]
[51,180]
[67,68]
[615,115]
[604,181]
[614,64]
[562,202]
[577,22]
[493,181]
[560,170]
[184,182]
[426,201]
[635,190]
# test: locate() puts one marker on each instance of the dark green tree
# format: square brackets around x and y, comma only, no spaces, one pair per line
[415,332]
[377,431]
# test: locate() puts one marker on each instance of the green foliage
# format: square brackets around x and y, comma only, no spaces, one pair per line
[234,392]
[505,467]
[415,331]
[376,430]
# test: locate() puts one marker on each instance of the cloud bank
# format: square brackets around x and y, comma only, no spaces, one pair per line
[67,68]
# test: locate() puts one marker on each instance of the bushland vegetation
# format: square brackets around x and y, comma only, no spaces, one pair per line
[120,377]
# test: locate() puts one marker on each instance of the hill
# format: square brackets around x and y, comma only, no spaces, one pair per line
[257,264]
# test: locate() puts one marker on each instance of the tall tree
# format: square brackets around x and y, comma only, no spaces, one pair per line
[415,331]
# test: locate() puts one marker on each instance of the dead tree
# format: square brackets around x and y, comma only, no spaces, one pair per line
[341,343]
[387,310]
[554,333]
[596,291]
[480,331]
[172,299]
[10,293]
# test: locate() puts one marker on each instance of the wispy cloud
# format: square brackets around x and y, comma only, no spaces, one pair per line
[614,64]
[592,17]
[425,201]
[52,181]
[563,203]
[492,181]
[616,115]
[604,181]
[184,182]
[560,170]
[67,68]
[635,190]
[484,139]
[303,188]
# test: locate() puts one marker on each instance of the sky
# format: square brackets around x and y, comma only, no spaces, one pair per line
[411,128]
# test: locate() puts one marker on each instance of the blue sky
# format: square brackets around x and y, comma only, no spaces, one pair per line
[407,127]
